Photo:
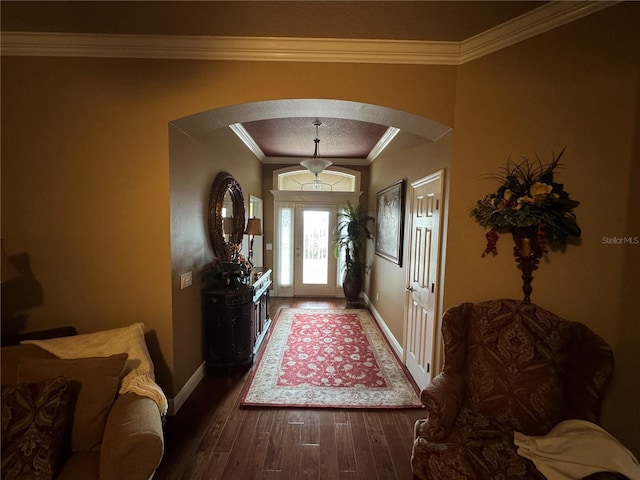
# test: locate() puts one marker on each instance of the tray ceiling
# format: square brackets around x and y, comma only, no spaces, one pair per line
[294,137]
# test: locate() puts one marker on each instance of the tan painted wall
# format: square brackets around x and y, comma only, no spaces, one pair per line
[193,169]
[86,177]
[576,86]
[626,403]
[85,192]
[410,158]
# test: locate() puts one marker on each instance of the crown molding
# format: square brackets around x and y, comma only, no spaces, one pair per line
[384,141]
[549,16]
[248,140]
[287,49]
[281,49]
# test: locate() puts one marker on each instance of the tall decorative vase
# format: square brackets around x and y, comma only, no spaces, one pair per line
[352,286]
[527,251]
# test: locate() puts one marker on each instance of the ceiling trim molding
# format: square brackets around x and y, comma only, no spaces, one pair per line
[248,140]
[538,21]
[281,49]
[384,141]
[286,49]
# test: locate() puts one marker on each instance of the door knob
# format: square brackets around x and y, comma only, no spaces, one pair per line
[409,289]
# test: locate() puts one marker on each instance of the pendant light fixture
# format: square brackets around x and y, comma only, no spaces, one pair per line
[316,164]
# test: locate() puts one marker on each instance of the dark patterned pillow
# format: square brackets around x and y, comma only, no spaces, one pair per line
[35,417]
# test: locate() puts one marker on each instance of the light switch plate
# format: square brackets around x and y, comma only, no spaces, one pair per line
[186,280]
[269,246]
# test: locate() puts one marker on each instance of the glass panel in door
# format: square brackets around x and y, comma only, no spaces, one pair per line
[315,264]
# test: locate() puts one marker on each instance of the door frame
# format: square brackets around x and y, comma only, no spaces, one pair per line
[283,198]
[436,360]
[299,288]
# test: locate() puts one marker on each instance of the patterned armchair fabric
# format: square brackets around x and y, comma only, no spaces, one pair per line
[509,366]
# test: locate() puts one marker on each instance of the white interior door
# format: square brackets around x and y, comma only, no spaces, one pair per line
[314,262]
[422,284]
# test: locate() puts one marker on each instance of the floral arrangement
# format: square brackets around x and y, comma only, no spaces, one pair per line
[228,274]
[528,197]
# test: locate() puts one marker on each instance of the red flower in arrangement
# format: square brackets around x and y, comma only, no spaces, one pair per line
[492,240]
[541,239]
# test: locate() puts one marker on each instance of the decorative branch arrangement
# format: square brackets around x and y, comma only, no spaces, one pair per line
[535,209]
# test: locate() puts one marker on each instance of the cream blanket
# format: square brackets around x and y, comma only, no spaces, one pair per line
[574,449]
[138,374]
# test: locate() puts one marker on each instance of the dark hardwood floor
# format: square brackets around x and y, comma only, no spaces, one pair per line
[211,437]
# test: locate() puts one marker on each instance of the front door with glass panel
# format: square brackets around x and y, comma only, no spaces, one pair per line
[314,262]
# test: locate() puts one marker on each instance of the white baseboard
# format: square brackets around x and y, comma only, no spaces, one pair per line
[397,347]
[176,402]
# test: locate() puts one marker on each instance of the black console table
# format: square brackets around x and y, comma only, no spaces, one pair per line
[236,321]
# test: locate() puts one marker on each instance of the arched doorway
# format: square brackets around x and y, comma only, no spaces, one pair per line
[199,125]
[202,127]
[419,138]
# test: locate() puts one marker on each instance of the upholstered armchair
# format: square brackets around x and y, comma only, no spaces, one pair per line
[508,366]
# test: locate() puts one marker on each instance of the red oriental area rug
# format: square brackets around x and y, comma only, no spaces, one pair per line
[329,358]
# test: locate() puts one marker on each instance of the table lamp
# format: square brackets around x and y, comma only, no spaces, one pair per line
[254,227]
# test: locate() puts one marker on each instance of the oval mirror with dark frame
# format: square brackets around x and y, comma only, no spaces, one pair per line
[226,216]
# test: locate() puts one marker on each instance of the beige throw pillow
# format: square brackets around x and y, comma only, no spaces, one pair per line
[138,376]
[93,383]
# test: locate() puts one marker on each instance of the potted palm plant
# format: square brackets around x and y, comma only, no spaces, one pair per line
[351,234]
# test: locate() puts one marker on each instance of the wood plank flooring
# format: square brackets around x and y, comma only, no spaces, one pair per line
[212,438]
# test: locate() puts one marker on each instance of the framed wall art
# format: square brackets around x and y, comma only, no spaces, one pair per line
[390,222]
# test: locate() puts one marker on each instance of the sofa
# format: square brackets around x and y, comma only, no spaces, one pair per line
[69,418]
[510,368]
